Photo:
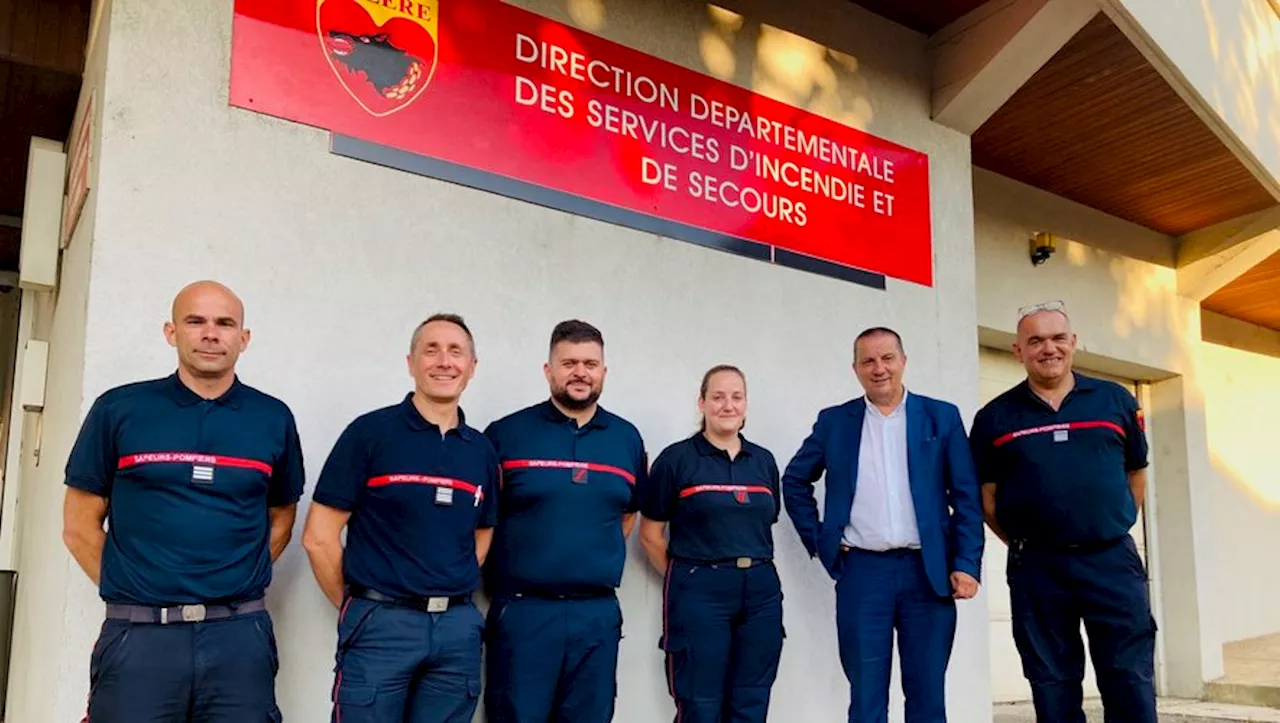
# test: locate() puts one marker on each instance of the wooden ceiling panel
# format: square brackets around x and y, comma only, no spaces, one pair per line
[49,34]
[1098,125]
[925,16]
[42,45]
[1254,297]
[33,102]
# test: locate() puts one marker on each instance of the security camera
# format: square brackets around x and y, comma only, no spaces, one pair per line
[1042,247]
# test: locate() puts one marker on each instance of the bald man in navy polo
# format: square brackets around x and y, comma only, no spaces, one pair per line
[199,476]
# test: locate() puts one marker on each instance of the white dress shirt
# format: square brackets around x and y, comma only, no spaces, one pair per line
[883,516]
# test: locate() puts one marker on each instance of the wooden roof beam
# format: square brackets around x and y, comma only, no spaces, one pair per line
[1211,258]
[1219,237]
[982,59]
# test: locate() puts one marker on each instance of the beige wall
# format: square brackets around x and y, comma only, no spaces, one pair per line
[1242,396]
[192,188]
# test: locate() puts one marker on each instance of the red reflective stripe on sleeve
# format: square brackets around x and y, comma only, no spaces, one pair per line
[568,464]
[214,460]
[1005,439]
[422,479]
[697,489]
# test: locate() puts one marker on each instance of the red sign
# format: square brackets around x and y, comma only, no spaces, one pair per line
[497,97]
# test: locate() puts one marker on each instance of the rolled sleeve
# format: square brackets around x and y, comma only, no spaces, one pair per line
[658,497]
[288,477]
[982,446]
[489,489]
[93,461]
[1135,435]
[642,478]
[345,472]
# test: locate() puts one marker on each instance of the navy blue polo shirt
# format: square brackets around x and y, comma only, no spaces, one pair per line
[416,497]
[718,509]
[189,481]
[1062,477]
[564,492]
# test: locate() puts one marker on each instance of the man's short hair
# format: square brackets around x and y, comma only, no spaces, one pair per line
[575,332]
[454,319]
[877,330]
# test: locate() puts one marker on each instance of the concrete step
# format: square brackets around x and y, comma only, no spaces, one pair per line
[1171,711]
[1243,692]
[1252,673]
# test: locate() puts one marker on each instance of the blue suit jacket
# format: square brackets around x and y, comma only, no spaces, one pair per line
[944,486]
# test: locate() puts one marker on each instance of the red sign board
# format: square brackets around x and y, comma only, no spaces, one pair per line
[494,96]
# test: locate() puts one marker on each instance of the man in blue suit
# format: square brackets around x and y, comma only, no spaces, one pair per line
[901,532]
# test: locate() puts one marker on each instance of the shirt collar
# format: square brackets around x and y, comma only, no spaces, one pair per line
[874,411]
[1082,384]
[418,424]
[185,397]
[707,449]
[552,413]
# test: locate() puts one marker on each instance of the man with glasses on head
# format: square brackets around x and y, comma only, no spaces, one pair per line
[1062,459]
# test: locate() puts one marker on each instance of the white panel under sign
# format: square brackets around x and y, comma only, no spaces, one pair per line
[42,215]
[35,363]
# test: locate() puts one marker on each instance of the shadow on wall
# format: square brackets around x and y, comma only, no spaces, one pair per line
[1139,309]
[724,44]
[1251,64]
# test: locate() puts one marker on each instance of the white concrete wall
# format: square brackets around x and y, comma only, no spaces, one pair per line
[1228,53]
[1132,323]
[1242,396]
[190,188]
[50,645]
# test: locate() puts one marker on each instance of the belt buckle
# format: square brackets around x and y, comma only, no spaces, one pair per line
[744,563]
[193,613]
[437,604]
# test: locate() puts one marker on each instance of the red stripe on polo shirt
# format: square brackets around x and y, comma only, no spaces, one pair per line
[213,460]
[568,464]
[1057,427]
[698,489]
[422,479]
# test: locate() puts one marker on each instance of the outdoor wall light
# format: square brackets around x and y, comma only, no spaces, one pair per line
[1043,245]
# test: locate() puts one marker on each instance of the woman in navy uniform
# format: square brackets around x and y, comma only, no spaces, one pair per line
[722,600]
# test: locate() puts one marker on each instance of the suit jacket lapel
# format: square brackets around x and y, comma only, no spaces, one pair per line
[915,447]
[857,412]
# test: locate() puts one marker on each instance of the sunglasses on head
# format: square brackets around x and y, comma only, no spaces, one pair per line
[1026,311]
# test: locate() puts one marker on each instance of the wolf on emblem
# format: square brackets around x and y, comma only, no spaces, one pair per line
[383,56]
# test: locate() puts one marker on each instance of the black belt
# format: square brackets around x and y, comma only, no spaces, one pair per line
[741,563]
[1067,547]
[553,595]
[893,551]
[182,613]
[430,604]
